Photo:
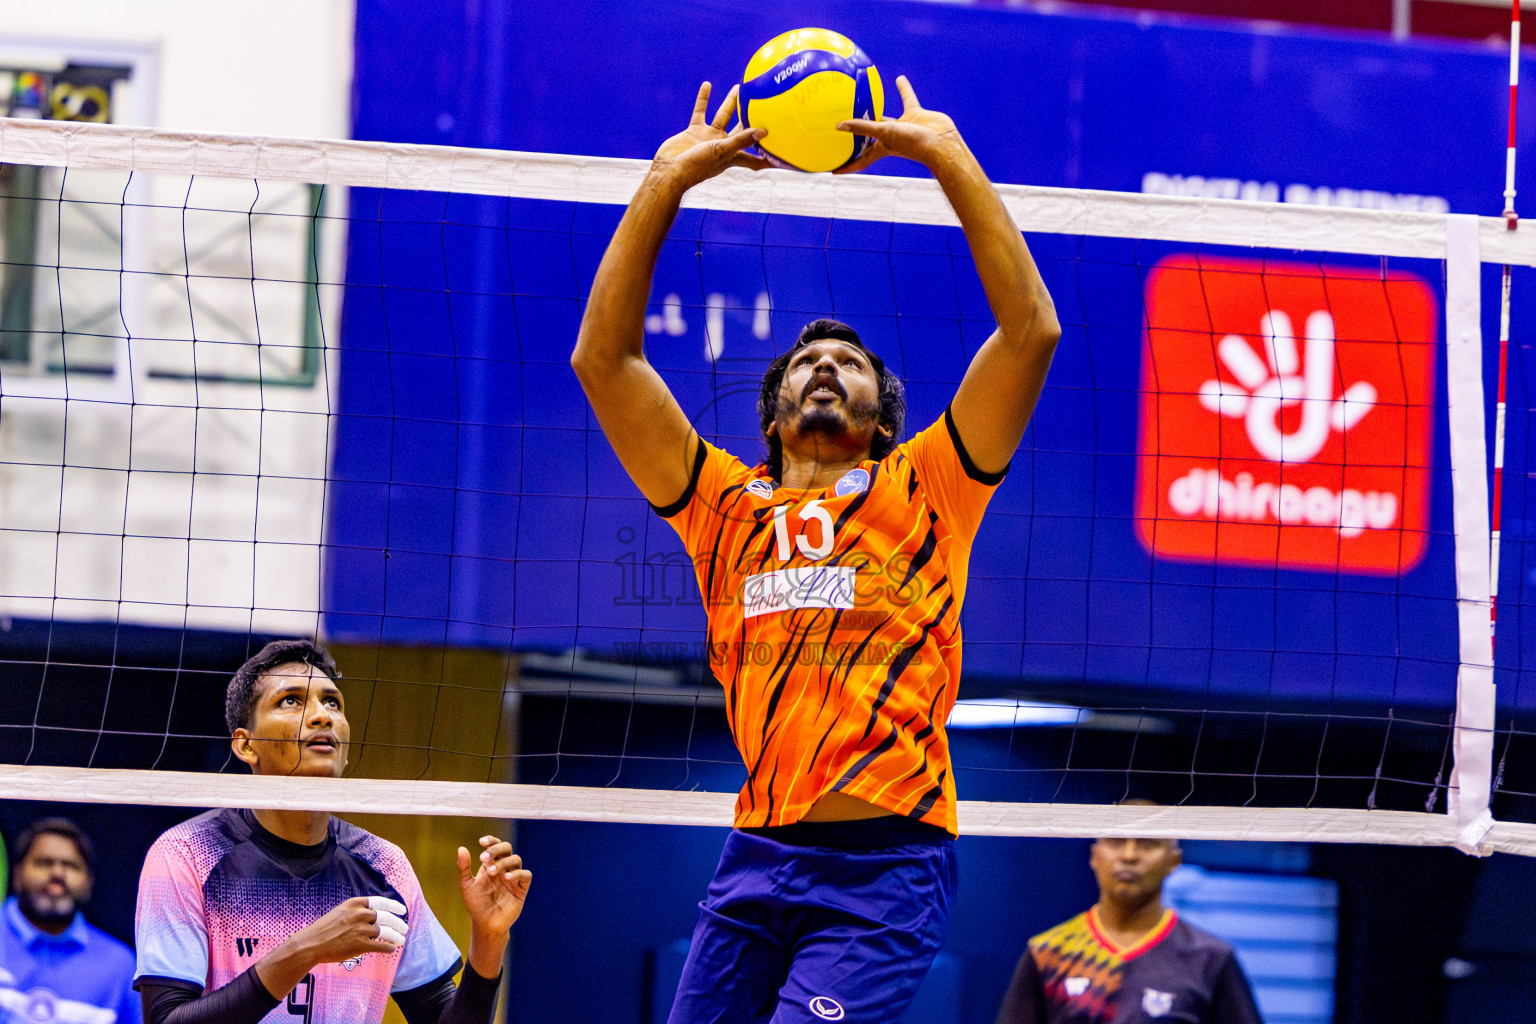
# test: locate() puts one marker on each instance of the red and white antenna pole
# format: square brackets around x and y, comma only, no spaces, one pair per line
[1511,221]
[1514,85]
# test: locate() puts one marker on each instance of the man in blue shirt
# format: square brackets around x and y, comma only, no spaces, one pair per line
[54,966]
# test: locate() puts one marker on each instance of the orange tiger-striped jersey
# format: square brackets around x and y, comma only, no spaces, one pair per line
[834,622]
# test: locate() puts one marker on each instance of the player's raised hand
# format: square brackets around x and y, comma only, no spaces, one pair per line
[706,147]
[494,894]
[918,134]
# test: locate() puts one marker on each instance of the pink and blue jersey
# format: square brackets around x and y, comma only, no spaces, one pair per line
[219,892]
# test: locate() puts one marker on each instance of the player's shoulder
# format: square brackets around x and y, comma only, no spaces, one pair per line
[375,851]
[205,838]
[1188,938]
[1070,931]
[730,469]
[717,476]
[901,456]
[936,445]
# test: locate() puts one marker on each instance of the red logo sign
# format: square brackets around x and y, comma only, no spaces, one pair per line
[1287,415]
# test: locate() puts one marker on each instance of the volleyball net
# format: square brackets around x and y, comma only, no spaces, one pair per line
[255,387]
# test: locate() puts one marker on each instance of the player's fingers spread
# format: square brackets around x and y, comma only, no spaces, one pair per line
[908,97]
[700,104]
[464,872]
[727,108]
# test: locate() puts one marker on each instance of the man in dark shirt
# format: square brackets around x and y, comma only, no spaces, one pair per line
[1128,959]
[250,915]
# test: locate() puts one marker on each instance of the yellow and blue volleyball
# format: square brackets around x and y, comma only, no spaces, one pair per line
[798,87]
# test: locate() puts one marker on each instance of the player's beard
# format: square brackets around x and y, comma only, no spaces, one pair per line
[50,910]
[827,422]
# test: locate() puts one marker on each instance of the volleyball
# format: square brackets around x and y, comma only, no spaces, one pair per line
[798,86]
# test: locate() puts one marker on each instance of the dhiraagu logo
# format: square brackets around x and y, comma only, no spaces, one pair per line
[1287,415]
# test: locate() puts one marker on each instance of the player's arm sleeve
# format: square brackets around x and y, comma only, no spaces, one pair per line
[472,1001]
[1232,998]
[957,490]
[243,1001]
[1024,1002]
[714,473]
[170,927]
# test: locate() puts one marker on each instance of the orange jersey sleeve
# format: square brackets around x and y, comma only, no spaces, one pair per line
[958,491]
[716,475]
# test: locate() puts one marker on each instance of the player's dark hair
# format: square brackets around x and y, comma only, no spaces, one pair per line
[240,698]
[55,827]
[893,396]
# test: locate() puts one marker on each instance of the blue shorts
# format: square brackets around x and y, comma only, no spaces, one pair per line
[811,934]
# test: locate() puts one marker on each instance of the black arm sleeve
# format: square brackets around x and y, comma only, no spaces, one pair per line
[168,1001]
[1024,1002]
[1232,998]
[438,1002]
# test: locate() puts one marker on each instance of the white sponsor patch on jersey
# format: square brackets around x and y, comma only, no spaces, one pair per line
[1156,1003]
[810,586]
[852,482]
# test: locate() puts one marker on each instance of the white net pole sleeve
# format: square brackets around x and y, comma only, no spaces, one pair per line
[1471,777]
[608,180]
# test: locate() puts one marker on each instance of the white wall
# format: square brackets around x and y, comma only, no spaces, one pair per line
[267,67]
[174,502]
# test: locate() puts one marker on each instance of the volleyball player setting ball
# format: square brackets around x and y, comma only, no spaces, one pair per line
[841,555]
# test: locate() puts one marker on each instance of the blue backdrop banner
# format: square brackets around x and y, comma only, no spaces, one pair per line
[477,503]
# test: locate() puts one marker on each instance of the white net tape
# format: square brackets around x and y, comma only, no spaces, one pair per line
[608,180]
[668,807]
